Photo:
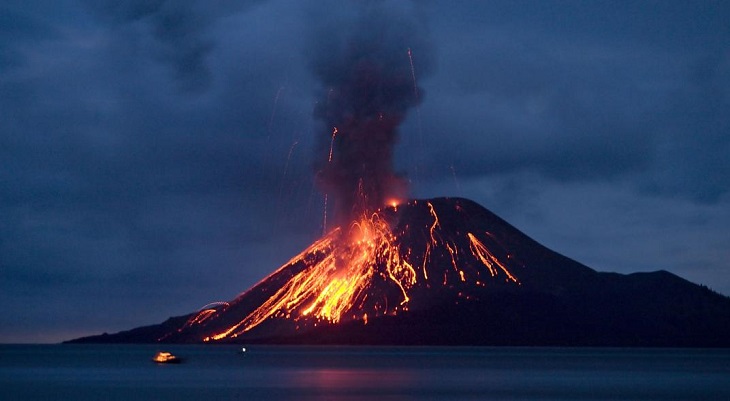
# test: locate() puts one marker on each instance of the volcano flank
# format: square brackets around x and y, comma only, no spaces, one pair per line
[447,271]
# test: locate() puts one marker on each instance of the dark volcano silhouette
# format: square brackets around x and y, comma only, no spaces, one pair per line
[453,273]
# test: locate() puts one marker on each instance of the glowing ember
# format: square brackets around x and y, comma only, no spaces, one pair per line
[393,202]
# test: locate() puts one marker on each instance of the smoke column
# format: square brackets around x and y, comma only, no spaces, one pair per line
[367,88]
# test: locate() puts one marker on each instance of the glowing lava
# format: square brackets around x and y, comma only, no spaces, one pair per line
[374,267]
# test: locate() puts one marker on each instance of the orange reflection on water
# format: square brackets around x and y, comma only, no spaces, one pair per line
[354,380]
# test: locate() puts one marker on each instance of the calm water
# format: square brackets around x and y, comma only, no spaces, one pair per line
[125,372]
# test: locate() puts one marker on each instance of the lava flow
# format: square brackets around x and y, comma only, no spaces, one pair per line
[384,263]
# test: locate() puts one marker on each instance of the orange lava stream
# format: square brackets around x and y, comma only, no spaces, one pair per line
[486,257]
[341,268]
[328,288]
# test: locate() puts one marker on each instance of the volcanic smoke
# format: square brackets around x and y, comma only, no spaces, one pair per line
[368,86]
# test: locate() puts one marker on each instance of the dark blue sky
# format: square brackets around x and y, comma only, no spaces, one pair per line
[157,155]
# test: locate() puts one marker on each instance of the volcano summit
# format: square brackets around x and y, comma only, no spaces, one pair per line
[447,271]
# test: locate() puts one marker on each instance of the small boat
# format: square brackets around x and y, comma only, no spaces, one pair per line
[166,357]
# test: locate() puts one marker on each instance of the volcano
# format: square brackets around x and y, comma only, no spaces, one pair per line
[447,271]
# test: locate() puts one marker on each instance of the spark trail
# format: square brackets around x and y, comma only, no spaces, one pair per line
[418,111]
[413,74]
[273,109]
[326,196]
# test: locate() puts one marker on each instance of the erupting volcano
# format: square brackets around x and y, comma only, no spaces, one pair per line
[387,262]
[435,271]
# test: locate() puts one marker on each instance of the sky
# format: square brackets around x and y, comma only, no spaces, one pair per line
[159,155]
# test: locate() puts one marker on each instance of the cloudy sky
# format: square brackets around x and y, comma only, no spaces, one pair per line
[157,155]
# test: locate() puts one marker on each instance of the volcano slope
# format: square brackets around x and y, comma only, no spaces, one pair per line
[447,271]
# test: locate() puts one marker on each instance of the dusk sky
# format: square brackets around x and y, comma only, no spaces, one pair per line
[159,155]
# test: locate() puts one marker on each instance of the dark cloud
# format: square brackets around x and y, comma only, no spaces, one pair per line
[691,161]
[113,180]
[576,97]
[179,29]
[16,30]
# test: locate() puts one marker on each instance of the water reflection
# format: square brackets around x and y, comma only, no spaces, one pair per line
[401,383]
[355,379]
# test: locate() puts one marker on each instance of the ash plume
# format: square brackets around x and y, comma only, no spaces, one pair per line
[367,79]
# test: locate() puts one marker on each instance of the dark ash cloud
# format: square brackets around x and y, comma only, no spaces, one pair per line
[364,66]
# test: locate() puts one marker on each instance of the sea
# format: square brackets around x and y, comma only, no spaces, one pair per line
[227,372]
